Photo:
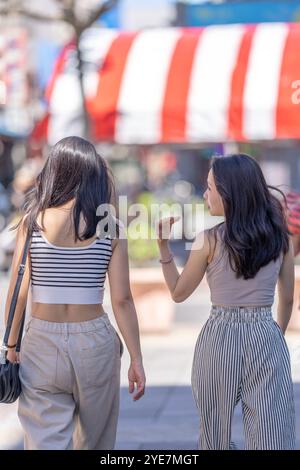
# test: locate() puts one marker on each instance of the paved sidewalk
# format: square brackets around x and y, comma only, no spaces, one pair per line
[166,417]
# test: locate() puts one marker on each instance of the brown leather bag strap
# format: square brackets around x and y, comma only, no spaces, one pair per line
[14,299]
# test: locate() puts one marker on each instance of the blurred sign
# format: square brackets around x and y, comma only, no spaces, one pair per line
[14,88]
[139,14]
[208,13]
[111,19]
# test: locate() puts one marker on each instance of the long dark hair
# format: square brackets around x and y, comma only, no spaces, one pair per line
[255,229]
[73,169]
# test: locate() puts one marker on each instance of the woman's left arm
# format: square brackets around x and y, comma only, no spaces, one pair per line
[23,293]
[286,280]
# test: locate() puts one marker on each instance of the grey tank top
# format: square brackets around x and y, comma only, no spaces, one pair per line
[227,290]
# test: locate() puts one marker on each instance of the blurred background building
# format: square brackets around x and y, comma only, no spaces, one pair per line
[167,85]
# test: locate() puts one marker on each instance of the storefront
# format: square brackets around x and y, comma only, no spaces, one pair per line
[193,88]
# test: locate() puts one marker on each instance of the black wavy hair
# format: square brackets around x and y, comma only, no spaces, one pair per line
[73,170]
[255,229]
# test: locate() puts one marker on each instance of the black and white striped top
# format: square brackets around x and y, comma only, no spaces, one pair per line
[68,275]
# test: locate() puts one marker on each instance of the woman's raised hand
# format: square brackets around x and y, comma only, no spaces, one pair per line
[164,227]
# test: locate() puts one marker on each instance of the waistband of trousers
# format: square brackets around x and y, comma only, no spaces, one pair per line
[69,327]
[242,314]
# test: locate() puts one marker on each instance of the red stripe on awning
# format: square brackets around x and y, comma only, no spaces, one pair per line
[103,107]
[236,106]
[58,68]
[287,112]
[177,87]
[39,133]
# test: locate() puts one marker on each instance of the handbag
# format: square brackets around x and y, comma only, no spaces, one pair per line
[10,384]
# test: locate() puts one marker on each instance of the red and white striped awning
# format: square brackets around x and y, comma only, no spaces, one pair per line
[219,83]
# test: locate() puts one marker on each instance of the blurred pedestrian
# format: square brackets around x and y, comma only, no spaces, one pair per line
[293,215]
[241,353]
[70,355]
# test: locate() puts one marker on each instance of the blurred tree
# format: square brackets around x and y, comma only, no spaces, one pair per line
[79,15]
[6,162]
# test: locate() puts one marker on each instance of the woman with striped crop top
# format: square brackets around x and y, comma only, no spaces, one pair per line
[70,356]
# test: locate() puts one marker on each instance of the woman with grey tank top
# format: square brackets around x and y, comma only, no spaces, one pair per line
[241,354]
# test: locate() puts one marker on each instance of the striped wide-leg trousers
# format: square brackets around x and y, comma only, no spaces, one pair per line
[241,355]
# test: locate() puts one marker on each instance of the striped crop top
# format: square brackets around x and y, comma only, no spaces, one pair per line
[67,275]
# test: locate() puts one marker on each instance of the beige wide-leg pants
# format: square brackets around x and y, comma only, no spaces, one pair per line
[70,375]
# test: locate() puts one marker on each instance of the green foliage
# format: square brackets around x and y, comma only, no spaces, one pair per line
[142,244]
[143,250]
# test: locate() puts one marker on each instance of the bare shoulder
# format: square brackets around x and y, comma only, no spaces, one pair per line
[23,226]
[289,255]
[120,241]
[114,243]
[214,234]
[202,242]
[287,264]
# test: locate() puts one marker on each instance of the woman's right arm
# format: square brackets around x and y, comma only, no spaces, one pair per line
[296,244]
[125,313]
[182,285]
[285,286]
